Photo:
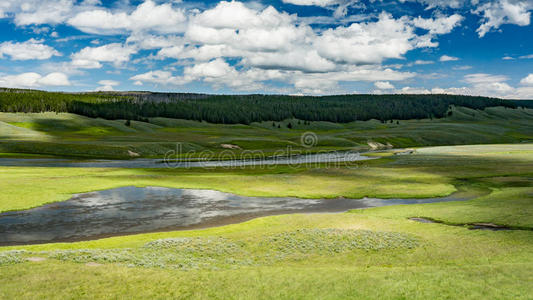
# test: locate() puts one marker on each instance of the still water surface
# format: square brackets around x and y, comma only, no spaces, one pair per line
[130,210]
[340,158]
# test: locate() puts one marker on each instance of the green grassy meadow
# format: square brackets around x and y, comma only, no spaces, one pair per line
[371,253]
[62,134]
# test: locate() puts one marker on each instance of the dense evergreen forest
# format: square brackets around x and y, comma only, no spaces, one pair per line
[244,109]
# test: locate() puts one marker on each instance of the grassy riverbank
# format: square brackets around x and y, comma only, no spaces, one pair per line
[373,253]
[258,259]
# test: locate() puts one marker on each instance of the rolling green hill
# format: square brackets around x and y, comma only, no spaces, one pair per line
[65,134]
[244,109]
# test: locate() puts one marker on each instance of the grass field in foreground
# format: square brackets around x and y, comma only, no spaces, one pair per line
[373,253]
[73,135]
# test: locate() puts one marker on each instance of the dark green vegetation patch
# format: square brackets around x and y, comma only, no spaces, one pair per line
[243,109]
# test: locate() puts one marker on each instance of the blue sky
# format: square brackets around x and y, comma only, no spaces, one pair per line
[474,47]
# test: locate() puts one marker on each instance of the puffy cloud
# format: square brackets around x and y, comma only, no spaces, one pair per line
[157,77]
[237,15]
[175,52]
[367,43]
[31,49]
[494,13]
[502,12]
[487,84]
[423,91]
[528,80]
[261,38]
[364,73]
[43,12]
[494,88]
[446,58]
[522,93]
[200,53]
[484,78]
[33,80]
[245,45]
[213,69]
[322,3]
[220,73]
[272,45]
[341,6]
[383,85]
[162,18]
[423,62]
[36,12]
[306,60]
[439,3]
[216,72]
[441,25]
[150,41]
[505,92]
[54,79]
[247,29]
[100,21]
[327,83]
[107,85]
[412,90]
[478,85]
[270,39]
[91,57]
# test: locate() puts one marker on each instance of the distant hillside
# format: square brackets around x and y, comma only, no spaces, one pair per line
[244,109]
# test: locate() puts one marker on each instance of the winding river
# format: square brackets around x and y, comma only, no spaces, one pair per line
[338,158]
[129,210]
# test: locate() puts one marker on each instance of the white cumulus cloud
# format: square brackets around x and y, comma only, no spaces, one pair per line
[441,25]
[107,85]
[30,49]
[33,80]
[501,12]
[246,45]
[487,84]
[340,6]
[367,43]
[383,85]
[162,18]
[321,3]
[484,78]
[266,41]
[42,12]
[91,57]
[528,80]
[423,62]
[157,77]
[446,58]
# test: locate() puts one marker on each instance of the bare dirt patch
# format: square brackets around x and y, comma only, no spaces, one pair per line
[93,264]
[35,259]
